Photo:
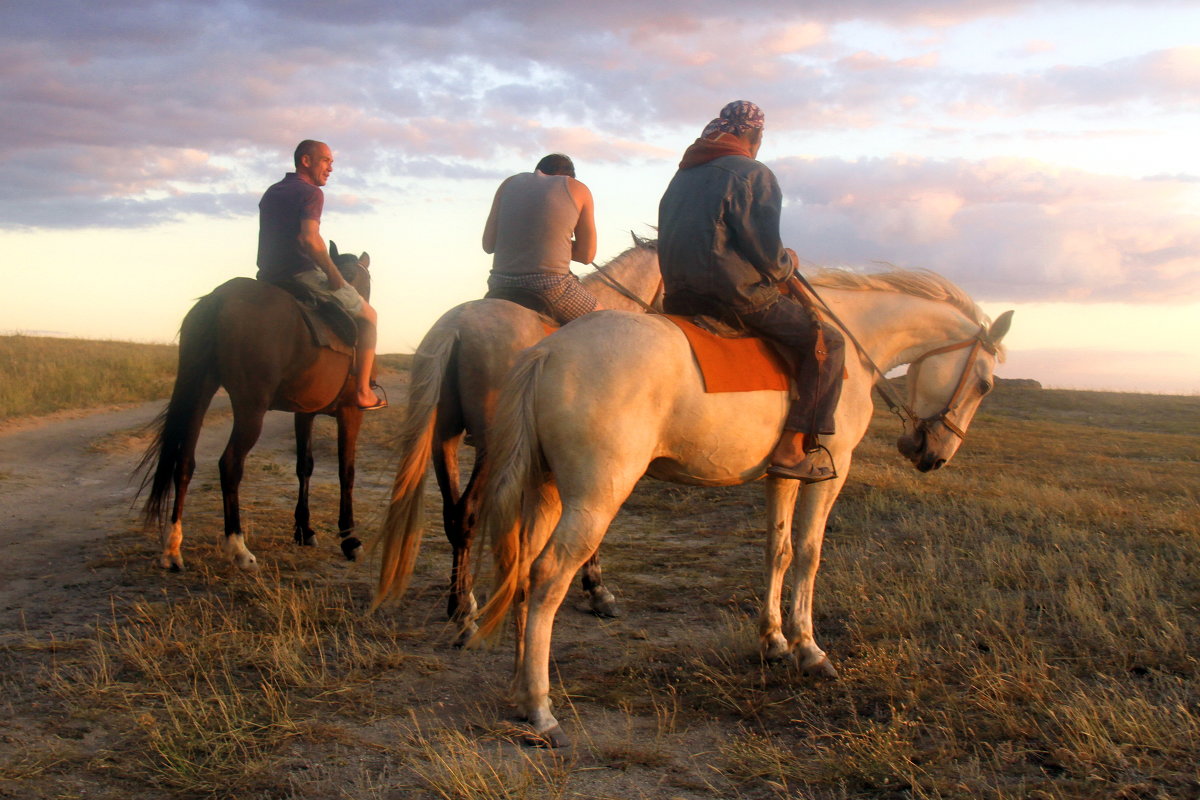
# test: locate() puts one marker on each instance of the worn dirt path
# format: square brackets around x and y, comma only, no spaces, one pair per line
[65,485]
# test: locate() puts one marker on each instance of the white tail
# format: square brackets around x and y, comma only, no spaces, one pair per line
[512,489]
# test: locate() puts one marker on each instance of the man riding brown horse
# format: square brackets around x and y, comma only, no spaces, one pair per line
[290,249]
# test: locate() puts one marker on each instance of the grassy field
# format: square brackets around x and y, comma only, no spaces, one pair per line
[1021,624]
[41,374]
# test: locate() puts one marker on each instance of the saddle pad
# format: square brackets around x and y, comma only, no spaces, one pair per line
[330,327]
[733,365]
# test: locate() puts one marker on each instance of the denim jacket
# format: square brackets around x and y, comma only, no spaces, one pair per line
[718,234]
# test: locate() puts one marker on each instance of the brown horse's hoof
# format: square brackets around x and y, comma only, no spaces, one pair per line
[553,739]
[351,547]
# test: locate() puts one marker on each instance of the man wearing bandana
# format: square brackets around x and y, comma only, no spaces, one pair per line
[721,254]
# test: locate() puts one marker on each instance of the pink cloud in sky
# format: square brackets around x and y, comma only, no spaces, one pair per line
[1006,229]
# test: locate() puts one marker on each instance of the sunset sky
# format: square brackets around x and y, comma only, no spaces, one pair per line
[1042,155]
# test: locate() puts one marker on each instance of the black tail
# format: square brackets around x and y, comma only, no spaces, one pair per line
[179,423]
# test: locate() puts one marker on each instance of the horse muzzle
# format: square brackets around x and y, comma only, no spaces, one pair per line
[914,445]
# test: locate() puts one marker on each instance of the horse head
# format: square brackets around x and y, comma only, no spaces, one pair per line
[945,388]
[355,269]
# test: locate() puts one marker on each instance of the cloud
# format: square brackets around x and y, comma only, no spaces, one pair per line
[1004,229]
[131,113]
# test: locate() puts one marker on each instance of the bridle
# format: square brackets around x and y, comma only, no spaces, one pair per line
[980,341]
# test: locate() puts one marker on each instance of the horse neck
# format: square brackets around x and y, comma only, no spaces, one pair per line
[637,270]
[896,328]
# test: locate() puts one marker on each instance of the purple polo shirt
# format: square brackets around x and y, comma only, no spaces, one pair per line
[282,208]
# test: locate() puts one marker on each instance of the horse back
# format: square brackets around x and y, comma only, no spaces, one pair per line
[265,352]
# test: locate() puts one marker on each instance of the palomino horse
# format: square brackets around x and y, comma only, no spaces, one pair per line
[251,338]
[588,411]
[456,374]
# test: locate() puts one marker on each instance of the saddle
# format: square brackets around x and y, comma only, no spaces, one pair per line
[331,325]
[732,360]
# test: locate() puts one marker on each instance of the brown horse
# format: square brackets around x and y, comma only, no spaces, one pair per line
[457,372]
[251,338]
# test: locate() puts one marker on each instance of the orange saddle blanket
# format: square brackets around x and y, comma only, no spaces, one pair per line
[733,365]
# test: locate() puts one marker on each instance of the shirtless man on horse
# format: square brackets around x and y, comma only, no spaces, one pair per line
[540,222]
[290,248]
[721,255]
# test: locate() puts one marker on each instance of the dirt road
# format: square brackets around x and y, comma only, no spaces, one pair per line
[66,483]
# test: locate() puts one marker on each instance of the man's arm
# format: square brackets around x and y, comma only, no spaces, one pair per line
[313,246]
[756,210]
[583,248]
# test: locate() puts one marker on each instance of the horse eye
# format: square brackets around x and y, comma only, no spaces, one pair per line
[984,387]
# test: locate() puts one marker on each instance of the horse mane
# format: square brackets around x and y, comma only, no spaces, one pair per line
[920,283]
[639,243]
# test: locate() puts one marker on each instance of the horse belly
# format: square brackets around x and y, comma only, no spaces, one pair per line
[719,439]
[317,387]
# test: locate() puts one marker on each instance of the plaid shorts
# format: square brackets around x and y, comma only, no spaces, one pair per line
[565,294]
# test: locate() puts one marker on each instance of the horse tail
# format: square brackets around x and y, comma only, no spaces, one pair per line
[512,489]
[404,525]
[178,425]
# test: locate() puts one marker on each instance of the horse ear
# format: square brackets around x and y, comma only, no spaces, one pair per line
[333,253]
[1000,327]
[364,260]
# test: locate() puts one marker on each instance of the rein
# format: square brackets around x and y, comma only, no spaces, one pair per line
[884,387]
[623,290]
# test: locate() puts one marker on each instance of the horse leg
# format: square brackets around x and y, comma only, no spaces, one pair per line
[781,500]
[575,538]
[349,421]
[816,501]
[246,429]
[303,532]
[172,536]
[601,599]
[459,511]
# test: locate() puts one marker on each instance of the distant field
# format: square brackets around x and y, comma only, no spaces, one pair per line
[41,374]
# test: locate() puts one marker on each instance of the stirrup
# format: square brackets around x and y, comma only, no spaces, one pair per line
[807,471]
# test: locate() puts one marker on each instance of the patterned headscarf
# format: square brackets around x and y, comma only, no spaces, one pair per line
[736,118]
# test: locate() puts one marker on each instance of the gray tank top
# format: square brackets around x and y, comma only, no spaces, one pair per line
[535,220]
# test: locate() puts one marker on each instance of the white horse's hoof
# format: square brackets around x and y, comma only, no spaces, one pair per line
[553,739]
[821,668]
[775,649]
[605,605]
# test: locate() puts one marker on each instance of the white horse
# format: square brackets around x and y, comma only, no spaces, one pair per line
[587,412]
[457,372]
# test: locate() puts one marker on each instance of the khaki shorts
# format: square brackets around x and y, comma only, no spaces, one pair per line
[347,297]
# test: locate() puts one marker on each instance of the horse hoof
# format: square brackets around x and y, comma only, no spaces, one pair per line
[246,561]
[606,608]
[821,669]
[464,635]
[553,739]
[171,563]
[351,547]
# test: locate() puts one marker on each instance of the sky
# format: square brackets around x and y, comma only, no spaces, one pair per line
[1042,155]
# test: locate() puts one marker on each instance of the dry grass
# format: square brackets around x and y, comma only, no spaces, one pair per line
[1021,624]
[39,375]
